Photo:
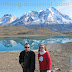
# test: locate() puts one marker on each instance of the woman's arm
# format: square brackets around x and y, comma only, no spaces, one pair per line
[48,61]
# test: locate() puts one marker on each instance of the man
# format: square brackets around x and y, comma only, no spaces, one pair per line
[27,59]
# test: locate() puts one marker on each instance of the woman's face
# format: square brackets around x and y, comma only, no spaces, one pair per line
[42,48]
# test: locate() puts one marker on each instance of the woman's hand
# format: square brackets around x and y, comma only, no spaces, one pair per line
[48,70]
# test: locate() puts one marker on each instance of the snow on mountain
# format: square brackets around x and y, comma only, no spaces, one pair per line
[47,16]
[6,19]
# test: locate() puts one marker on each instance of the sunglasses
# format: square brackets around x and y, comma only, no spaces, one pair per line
[27,47]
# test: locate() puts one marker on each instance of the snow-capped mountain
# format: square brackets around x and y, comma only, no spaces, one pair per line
[47,16]
[50,18]
[6,19]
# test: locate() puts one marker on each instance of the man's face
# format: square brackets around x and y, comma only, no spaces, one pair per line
[27,48]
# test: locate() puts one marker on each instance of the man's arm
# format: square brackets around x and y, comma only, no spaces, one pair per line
[21,58]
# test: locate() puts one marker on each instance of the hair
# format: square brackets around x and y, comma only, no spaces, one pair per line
[44,47]
[26,44]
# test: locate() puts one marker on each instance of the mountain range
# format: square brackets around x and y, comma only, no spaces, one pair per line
[50,18]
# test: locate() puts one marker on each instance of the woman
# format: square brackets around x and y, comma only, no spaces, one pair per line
[44,59]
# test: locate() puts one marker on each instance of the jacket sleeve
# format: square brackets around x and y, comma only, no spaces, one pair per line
[21,57]
[32,67]
[48,61]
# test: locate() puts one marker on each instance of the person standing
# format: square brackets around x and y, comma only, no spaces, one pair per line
[44,59]
[27,59]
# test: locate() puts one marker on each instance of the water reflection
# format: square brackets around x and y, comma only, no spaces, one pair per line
[17,43]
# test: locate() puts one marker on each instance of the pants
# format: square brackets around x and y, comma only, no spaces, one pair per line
[27,70]
[43,70]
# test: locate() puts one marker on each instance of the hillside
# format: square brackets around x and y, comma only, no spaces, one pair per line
[68,33]
[12,30]
[22,31]
[40,31]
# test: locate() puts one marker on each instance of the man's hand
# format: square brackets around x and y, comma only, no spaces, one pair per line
[22,64]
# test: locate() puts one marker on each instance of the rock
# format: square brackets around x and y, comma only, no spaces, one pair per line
[53,65]
[57,69]
[53,71]
[61,66]
[58,61]
[16,58]
[62,59]
[8,65]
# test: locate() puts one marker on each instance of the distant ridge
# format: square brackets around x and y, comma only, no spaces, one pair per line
[49,18]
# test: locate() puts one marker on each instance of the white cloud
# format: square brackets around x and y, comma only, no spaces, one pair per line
[66,9]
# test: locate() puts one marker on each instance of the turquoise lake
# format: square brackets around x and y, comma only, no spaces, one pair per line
[17,43]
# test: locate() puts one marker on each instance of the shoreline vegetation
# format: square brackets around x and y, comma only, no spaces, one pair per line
[60,56]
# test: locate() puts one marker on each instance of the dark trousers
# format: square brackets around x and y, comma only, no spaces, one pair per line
[43,70]
[27,70]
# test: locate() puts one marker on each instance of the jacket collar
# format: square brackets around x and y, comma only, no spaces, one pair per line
[42,52]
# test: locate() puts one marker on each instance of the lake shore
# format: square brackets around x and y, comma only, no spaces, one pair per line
[29,35]
[60,57]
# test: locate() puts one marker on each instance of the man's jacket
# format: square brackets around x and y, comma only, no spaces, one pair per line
[28,58]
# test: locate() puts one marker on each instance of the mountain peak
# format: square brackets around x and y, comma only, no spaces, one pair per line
[6,19]
[53,9]
[7,15]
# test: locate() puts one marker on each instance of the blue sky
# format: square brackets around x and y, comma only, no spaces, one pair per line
[19,7]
